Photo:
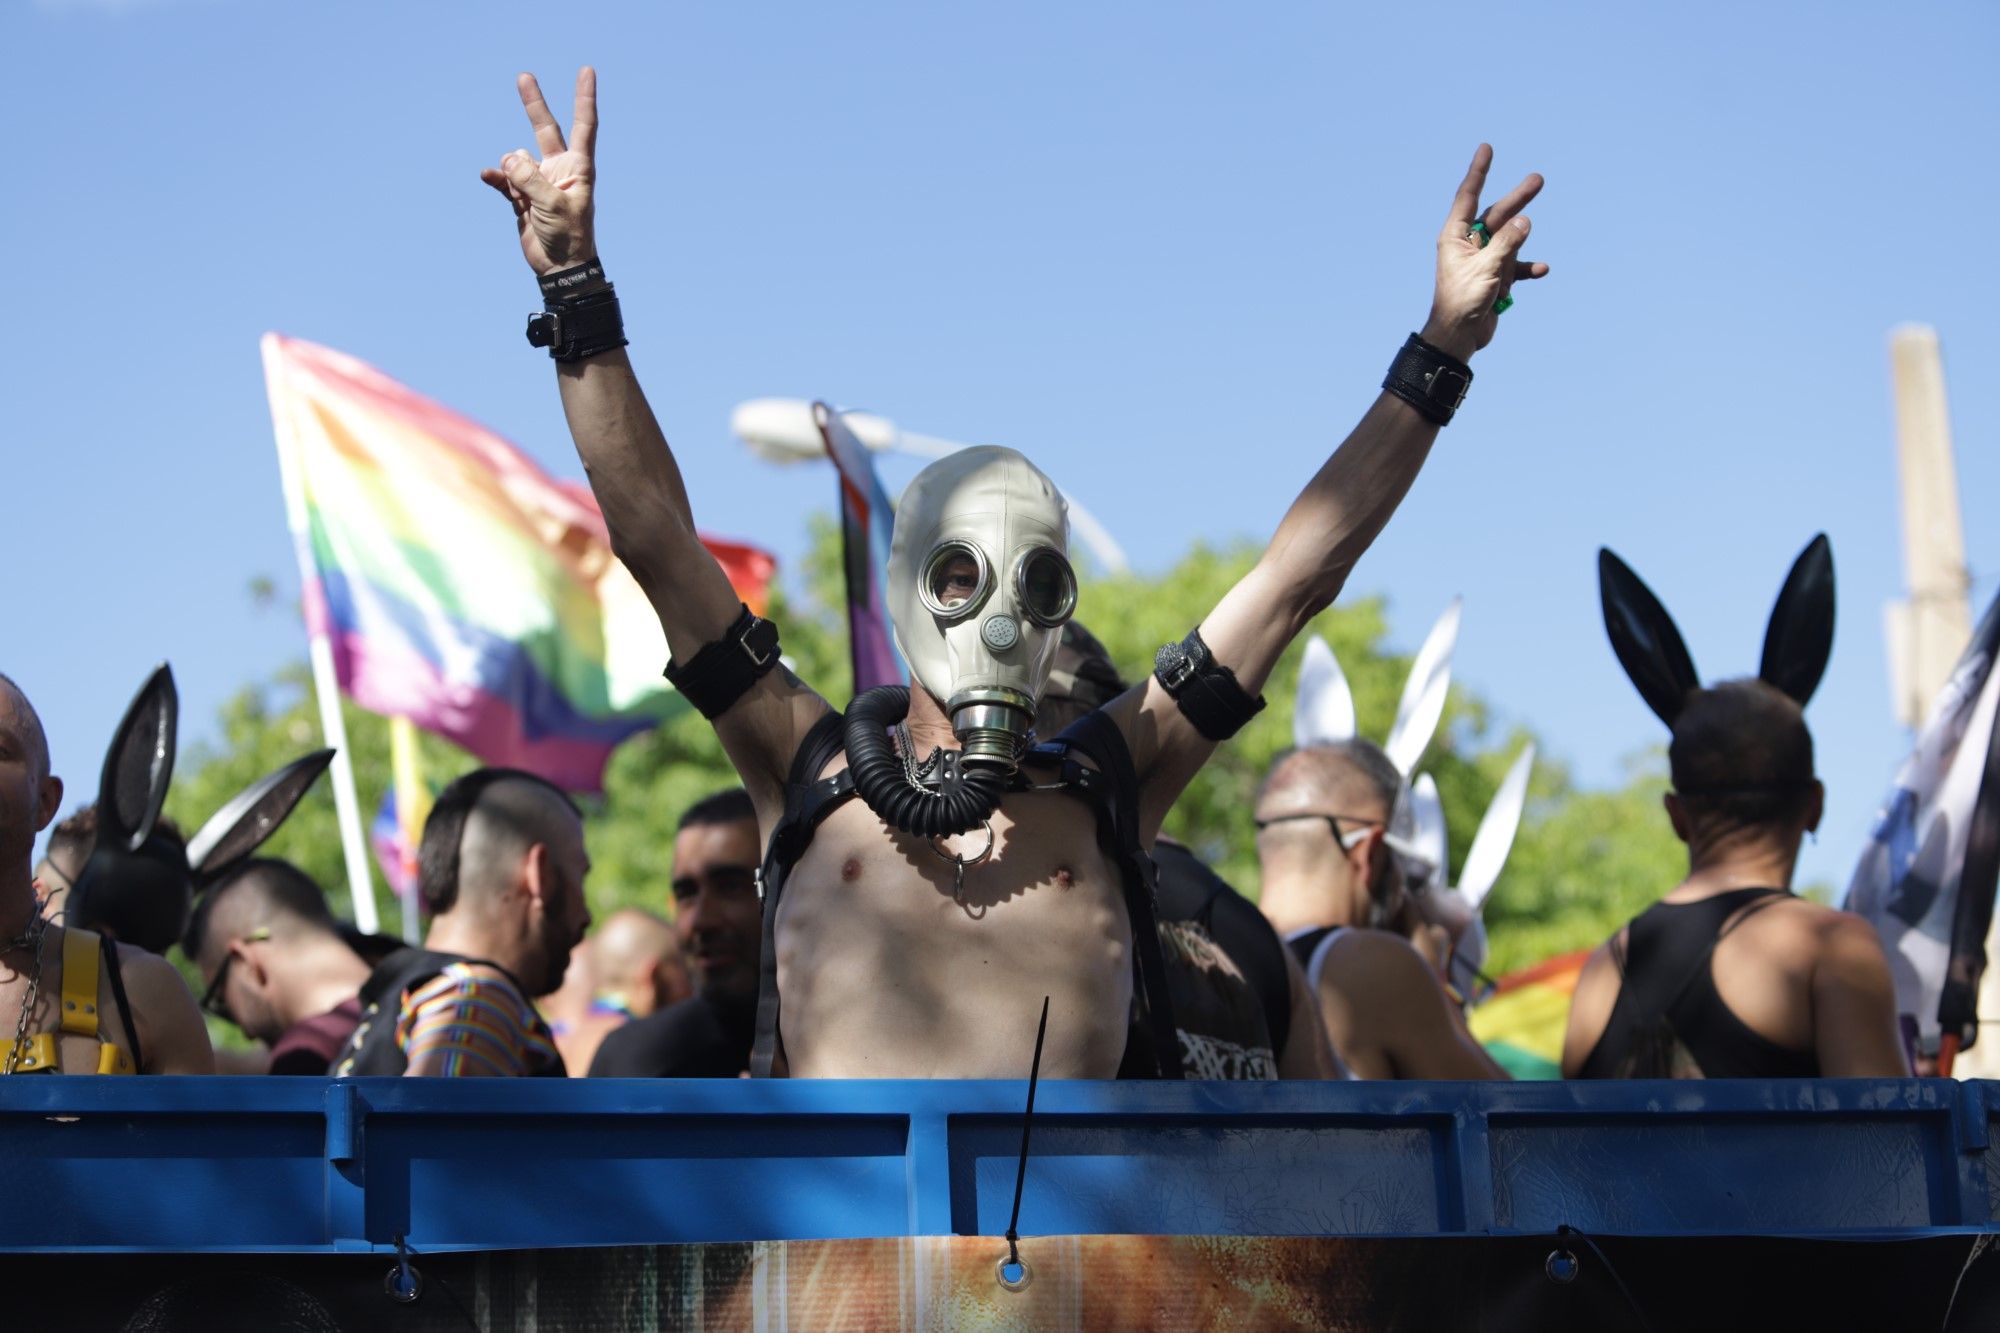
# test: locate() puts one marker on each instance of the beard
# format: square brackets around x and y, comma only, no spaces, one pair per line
[556,948]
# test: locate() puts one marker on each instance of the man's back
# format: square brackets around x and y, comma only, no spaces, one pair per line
[1744,982]
[1385,1008]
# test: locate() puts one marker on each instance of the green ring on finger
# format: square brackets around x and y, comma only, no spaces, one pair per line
[1479,229]
[1501,306]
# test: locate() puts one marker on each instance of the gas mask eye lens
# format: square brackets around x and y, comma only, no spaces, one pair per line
[954,579]
[1046,586]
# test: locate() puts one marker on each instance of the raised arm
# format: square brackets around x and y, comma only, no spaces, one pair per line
[625,454]
[1346,505]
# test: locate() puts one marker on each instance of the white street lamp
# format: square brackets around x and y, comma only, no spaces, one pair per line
[782,430]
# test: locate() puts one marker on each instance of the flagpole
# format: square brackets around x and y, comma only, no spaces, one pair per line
[319,652]
[1978,878]
[413,807]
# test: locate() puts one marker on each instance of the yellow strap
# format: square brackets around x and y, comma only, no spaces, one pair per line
[79,982]
[42,1053]
[38,1054]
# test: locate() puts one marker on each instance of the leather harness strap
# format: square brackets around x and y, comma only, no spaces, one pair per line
[1112,791]
[83,955]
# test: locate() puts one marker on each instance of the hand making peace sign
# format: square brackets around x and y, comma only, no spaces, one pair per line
[1473,273]
[1477,263]
[552,197]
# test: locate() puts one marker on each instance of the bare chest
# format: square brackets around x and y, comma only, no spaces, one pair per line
[78,1049]
[895,960]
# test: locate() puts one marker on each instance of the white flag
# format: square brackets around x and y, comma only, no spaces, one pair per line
[1908,879]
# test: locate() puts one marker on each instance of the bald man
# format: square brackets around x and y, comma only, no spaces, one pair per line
[501,869]
[635,970]
[1331,887]
[150,1023]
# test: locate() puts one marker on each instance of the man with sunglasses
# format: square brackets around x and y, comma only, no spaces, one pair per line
[278,964]
[1332,888]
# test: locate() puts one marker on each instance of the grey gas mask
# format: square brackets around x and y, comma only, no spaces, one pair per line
[978,590]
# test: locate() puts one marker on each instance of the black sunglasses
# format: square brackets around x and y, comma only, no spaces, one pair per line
[212,999]
[1332,821]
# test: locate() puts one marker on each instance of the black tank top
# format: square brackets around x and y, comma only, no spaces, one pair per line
[1669,1020]
[1190,891]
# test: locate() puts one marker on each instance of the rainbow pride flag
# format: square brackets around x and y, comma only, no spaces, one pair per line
[1521,1025]
[394,853]
[459,585]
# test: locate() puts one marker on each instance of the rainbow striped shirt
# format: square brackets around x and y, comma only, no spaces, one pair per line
[466,1022]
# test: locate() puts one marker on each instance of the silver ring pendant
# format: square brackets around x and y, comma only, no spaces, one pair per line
[961,862]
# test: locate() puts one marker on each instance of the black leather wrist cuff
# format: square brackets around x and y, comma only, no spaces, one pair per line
[723,671]
[1428,379]
[1207,692]
[556,286]
[579,326]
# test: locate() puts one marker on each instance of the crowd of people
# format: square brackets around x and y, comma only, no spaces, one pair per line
[1330,974]
[897,887]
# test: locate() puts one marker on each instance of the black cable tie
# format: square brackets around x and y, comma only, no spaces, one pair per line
[1027,1120]
[1565,1229]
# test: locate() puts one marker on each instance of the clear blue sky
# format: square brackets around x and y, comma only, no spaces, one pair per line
[1166,249]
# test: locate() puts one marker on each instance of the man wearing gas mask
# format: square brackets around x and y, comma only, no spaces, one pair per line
[931,872]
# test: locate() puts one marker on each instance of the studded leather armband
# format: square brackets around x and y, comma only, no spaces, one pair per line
[1208,693]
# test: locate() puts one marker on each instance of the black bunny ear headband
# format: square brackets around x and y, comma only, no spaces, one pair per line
[132,790]
[1797,642]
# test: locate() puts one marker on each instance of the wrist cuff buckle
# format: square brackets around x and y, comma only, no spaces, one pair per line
[1447,386]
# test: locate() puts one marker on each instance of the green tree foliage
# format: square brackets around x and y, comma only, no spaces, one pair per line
[1585,860]
[1585,863]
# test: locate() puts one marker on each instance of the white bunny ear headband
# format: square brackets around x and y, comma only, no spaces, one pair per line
[1324,714]
[1459,908]
[1324,711]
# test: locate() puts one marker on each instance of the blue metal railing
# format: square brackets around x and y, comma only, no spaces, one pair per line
[275,1164]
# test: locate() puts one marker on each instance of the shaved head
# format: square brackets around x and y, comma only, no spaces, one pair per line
[19,714]
[259,894]
[501,867]
[29,793]
[480,828]
[628,946]
[508,818]
[1313,815]
[1345,778]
